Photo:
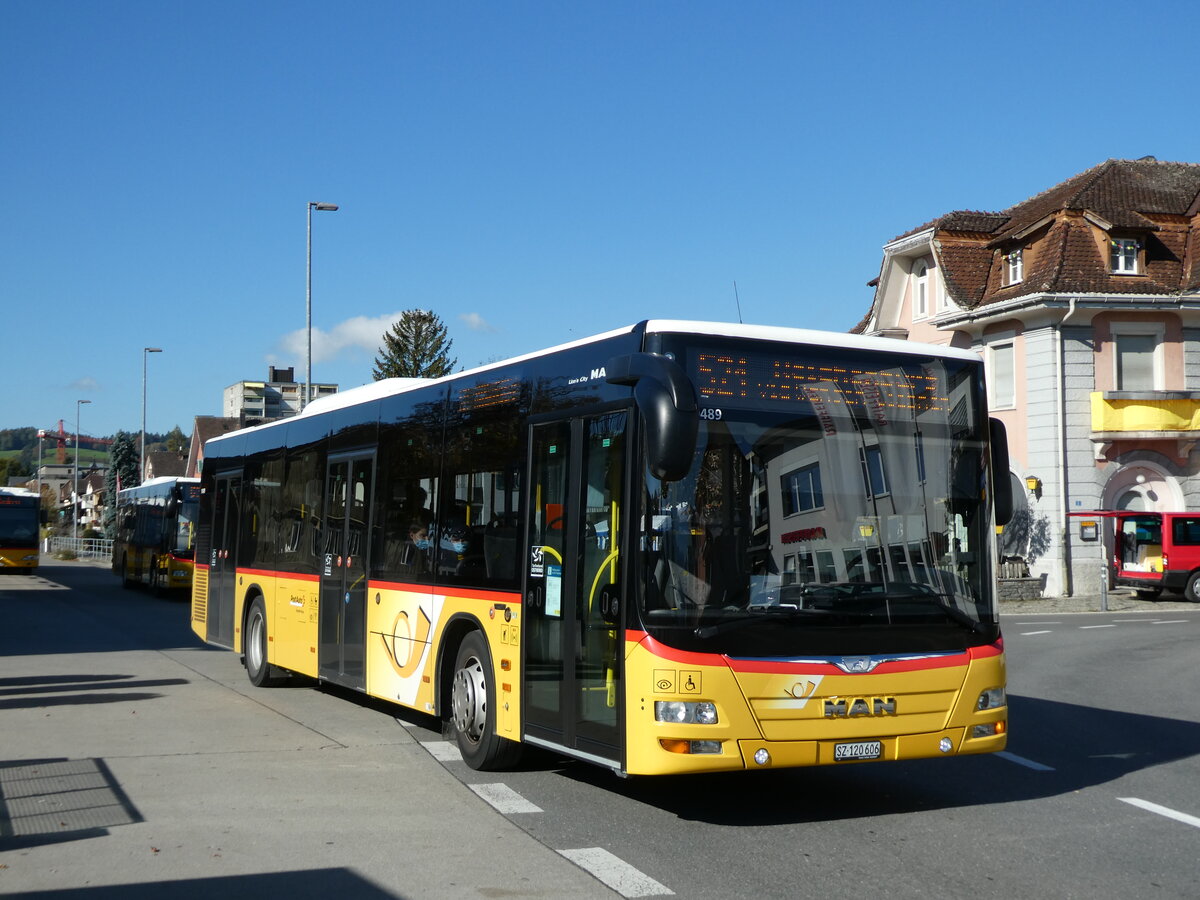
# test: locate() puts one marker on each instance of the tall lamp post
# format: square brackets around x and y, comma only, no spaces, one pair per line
[322,207]
[75,480]
[146,351]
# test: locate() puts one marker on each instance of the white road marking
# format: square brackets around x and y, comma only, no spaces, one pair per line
[1039,622]
[443,751]
[1022,761]
[1086,627]
[1028,633]
[1162,811]
[504,799]
[1171,622]
[616,873]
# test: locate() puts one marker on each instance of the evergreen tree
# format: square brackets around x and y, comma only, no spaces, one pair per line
[177,441]
[123,472]
[415,347]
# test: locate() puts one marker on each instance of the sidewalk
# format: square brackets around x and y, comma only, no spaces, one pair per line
[1118,601]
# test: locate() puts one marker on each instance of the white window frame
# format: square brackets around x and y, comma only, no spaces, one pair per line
[1155,330]
[920,283]
[786,488]
[1002,347]
[1016,266]
[1123,256]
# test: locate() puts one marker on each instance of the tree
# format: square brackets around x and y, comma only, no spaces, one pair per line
[123,473]
[177,441]
[415,347]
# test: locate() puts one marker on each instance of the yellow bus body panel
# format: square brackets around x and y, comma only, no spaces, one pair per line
[797,713]
[292,623]
[407,623]
[18,558]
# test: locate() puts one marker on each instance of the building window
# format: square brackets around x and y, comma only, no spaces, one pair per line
[1002,382]
[874,479]
[1016,267]
[1125,256]
[920,290]
[801,490]
[1136,360]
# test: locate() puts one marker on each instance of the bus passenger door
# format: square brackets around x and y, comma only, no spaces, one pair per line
[572,693]
[342,610]
[222,563]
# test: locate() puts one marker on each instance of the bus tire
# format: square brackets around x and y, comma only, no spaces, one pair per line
[1192,590]
[472,702]
[260,672]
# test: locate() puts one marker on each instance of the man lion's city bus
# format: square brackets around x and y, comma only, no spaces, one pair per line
[675,547]
[156,529]
[20,520]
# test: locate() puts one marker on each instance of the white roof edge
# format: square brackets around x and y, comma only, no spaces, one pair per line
[163,479]
[390,387]
[784,334]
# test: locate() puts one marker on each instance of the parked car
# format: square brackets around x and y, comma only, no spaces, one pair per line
[1156,551]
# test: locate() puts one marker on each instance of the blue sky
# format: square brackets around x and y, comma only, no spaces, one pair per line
[533,172]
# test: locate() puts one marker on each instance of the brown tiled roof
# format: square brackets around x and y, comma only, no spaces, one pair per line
[1120,190]
[1157,201]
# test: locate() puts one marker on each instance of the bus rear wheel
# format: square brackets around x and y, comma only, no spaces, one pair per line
[472,704]
[260,672]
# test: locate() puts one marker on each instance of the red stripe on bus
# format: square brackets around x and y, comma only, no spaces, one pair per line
[768,666]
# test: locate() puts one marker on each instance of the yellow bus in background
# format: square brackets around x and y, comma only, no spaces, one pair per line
[155,536]
[675,547]
[20,521]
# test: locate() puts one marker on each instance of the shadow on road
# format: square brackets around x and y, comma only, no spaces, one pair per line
[297,885]
[1082,747]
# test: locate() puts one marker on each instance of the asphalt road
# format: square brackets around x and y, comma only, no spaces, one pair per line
[304,792]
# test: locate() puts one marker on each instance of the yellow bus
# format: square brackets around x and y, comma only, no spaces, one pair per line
[674,547]
[20,519]
[154,543]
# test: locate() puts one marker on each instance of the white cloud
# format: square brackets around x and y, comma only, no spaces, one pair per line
[476,322]
[357,333]
[87,383]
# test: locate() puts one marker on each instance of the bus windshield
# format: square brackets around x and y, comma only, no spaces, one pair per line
[185,523]
[18,525]
[834,505]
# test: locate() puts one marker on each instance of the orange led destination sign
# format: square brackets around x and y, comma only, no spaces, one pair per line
[726,376]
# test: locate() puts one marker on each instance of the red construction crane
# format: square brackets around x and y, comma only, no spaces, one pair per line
[63,437]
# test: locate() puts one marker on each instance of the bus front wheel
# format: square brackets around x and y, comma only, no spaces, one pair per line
[260,672]
[472,705]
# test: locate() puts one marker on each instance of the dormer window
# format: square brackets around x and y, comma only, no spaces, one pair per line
[920,290]
[1016,266]
[1124,256]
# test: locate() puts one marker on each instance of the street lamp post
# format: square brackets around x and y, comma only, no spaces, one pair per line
[322,207]
[75,479]
[142,454]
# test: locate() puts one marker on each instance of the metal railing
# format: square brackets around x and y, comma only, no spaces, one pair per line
[82,548]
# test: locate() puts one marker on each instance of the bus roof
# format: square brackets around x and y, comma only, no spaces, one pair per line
[388,387]
[18,492]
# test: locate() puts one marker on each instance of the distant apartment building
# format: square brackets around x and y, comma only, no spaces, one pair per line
[279,397]
[1084,302]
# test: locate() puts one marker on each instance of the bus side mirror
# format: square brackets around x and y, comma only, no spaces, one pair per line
[667,401]
[1002,497]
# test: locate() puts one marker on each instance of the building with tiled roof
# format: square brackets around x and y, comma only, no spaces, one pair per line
[1084,301]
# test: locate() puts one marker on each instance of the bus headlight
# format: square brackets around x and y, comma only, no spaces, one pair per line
[992,698]
[680,712]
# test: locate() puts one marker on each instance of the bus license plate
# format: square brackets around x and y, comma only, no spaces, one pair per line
[858,750]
